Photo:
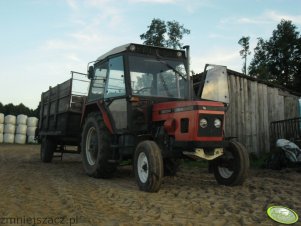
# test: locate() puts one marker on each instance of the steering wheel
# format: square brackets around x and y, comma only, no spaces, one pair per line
[143,89]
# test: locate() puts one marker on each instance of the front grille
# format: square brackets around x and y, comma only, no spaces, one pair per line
[210,130]
[184,125]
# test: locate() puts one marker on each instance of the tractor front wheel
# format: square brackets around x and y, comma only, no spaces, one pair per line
[232,167]
[148,166]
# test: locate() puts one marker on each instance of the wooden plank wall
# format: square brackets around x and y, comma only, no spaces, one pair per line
[253,106]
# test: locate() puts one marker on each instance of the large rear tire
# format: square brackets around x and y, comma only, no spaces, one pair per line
[148,166]
[232,167]
[95,148]
[48,146]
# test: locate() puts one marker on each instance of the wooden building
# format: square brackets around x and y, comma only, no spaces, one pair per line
[254,104]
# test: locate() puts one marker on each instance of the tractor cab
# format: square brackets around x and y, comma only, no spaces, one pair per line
[131,78]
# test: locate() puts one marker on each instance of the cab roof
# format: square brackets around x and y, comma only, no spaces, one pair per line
[116,50]
[125,47]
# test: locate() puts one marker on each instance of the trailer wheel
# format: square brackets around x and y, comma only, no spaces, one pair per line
[95,148]
[148,166]
[232,167]
[48,146]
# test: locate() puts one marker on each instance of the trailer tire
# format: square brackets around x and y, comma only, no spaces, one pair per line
[232,167]
[95,148]
[48,146]
[148,166]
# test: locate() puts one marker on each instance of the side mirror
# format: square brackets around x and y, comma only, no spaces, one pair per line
[91,72]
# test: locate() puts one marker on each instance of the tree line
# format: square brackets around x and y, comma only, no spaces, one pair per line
[10,109]
[276,60]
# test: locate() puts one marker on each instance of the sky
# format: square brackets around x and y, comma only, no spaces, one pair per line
[41,41]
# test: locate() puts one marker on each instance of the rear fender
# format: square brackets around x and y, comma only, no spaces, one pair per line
[100,107]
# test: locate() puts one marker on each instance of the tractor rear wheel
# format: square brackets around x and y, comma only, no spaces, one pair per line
[95,148]
[48,146]
[232,167]
[148,166]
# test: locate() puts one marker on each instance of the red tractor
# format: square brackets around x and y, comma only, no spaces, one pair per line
[141,107]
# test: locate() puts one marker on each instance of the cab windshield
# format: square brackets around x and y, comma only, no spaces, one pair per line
[158,77]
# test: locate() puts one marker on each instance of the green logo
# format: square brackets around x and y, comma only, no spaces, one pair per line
[282,214]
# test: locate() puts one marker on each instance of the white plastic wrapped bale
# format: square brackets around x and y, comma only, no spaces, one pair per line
[1,128]
[21,129]
[1,138]
[8,138]
[20,139]
[1,118]
[10,119]
[9,128]
[32,122]
[31,131]
[31,140]
[22,119]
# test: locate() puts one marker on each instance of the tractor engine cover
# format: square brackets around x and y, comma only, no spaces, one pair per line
[191,120]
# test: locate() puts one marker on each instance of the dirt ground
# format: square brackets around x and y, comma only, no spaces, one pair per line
[59,193]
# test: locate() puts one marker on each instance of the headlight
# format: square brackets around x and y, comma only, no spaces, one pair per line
[217,123]
[179,54]
[203,123]
[132,48]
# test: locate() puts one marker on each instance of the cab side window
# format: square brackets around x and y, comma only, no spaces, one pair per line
[115,82]
[98,82]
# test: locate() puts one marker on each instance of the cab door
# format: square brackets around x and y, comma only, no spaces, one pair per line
[115,92]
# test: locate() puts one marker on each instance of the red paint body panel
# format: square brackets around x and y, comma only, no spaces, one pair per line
[106,119]
[104,114]
[200,107]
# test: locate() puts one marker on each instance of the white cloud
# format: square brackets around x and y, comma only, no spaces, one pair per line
[72,4]
[56,44]
[244,20]
[190,6]
[277,16]
[267,17]
[221,36]
[94,27]
[153,1]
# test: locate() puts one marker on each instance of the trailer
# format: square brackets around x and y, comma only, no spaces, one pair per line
[60,115]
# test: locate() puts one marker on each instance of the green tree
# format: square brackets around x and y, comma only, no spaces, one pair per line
[1,108]
[278,59]
[164,34]
[36,112]
[155,34]
[244,42]
[11,109]
[175,33]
